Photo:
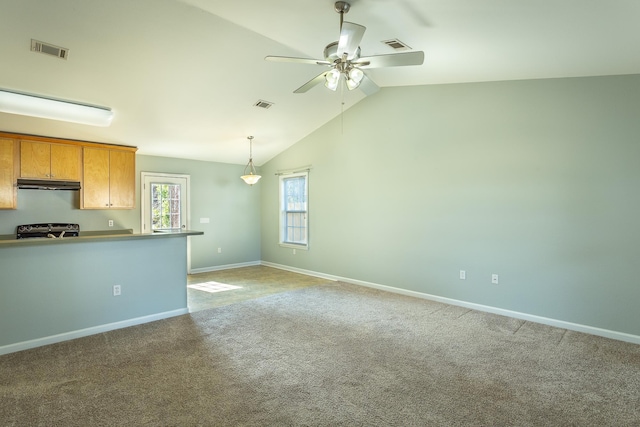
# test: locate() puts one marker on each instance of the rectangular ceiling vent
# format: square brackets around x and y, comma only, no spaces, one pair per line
[396,44]
[49,49]
[263,104]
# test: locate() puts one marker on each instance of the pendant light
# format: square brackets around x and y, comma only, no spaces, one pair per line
[250,178]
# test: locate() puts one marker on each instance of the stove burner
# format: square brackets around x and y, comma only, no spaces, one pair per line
[53,230]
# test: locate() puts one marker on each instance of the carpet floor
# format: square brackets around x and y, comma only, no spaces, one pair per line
[327,355]
[248,283]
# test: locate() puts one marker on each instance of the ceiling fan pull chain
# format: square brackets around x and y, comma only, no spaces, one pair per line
[342,109]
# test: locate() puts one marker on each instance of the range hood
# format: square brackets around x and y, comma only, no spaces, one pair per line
[45,184]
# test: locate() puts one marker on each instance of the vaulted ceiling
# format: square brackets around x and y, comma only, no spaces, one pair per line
[182,76]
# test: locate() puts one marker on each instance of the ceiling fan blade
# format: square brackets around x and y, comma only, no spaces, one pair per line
[311,83]
[296,60]
[391,60]
[367,86]
[350,38]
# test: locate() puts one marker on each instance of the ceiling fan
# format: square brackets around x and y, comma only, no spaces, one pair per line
[344,60]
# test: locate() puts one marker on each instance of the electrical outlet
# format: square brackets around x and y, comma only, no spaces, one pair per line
[116,290]
[463,275]
[494,279]
[294,251]
[110,223]
[219,250]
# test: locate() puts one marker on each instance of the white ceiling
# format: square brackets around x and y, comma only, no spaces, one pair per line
[182,75]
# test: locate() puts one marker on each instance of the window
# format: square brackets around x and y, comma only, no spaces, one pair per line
[294,210]
[165,207]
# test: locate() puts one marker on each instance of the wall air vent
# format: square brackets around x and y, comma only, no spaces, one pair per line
[263,104]
[49,49]
[396,44]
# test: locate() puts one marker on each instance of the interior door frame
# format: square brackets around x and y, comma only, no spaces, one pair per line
[144,203]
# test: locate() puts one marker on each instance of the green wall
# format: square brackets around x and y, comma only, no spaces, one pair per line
[67,287]
[537,181]
[217,193]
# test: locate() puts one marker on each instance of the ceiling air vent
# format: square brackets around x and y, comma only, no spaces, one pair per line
[396,44]
[49,49]
[263,104]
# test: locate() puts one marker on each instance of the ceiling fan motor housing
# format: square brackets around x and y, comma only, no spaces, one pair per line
[331,53]
[342,7]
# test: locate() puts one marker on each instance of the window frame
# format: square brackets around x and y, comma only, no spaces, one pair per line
[171,212]
[282,211]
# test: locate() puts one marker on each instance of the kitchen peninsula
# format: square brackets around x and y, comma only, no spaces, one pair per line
[54,290]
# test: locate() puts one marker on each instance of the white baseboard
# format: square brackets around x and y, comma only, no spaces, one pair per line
[621,336]
[25,345]
[38,342]
[223,267]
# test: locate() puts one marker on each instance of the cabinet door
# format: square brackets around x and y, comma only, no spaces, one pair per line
[95,183]
[122,180]
[65,162]
[35,159]
[7,174]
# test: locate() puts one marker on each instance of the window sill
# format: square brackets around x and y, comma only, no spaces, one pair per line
[294,246]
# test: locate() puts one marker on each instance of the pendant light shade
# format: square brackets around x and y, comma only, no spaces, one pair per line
[48,108]
[250,178]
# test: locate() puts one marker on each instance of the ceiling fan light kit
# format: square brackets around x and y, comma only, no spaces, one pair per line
[354,77]
[343,59]
[252,177]
[332,78]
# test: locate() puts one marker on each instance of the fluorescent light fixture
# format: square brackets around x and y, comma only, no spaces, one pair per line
[48,108]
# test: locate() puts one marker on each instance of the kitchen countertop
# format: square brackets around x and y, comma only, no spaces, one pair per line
[95,236]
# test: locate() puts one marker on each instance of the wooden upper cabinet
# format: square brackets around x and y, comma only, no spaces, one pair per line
[108,179]
[95,180]
[49,161]
[35,159]
[107,172]
[8,168]
[65,162]
[122,179]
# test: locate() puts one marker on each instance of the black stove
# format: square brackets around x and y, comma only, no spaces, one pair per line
[55,230]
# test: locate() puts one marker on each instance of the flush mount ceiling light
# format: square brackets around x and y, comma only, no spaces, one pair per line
[54,109]
[250,178]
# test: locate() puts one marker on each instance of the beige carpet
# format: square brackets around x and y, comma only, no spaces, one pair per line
[328,355]
[250,282]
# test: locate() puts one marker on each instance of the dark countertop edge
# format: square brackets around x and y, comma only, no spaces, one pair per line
[95,236]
